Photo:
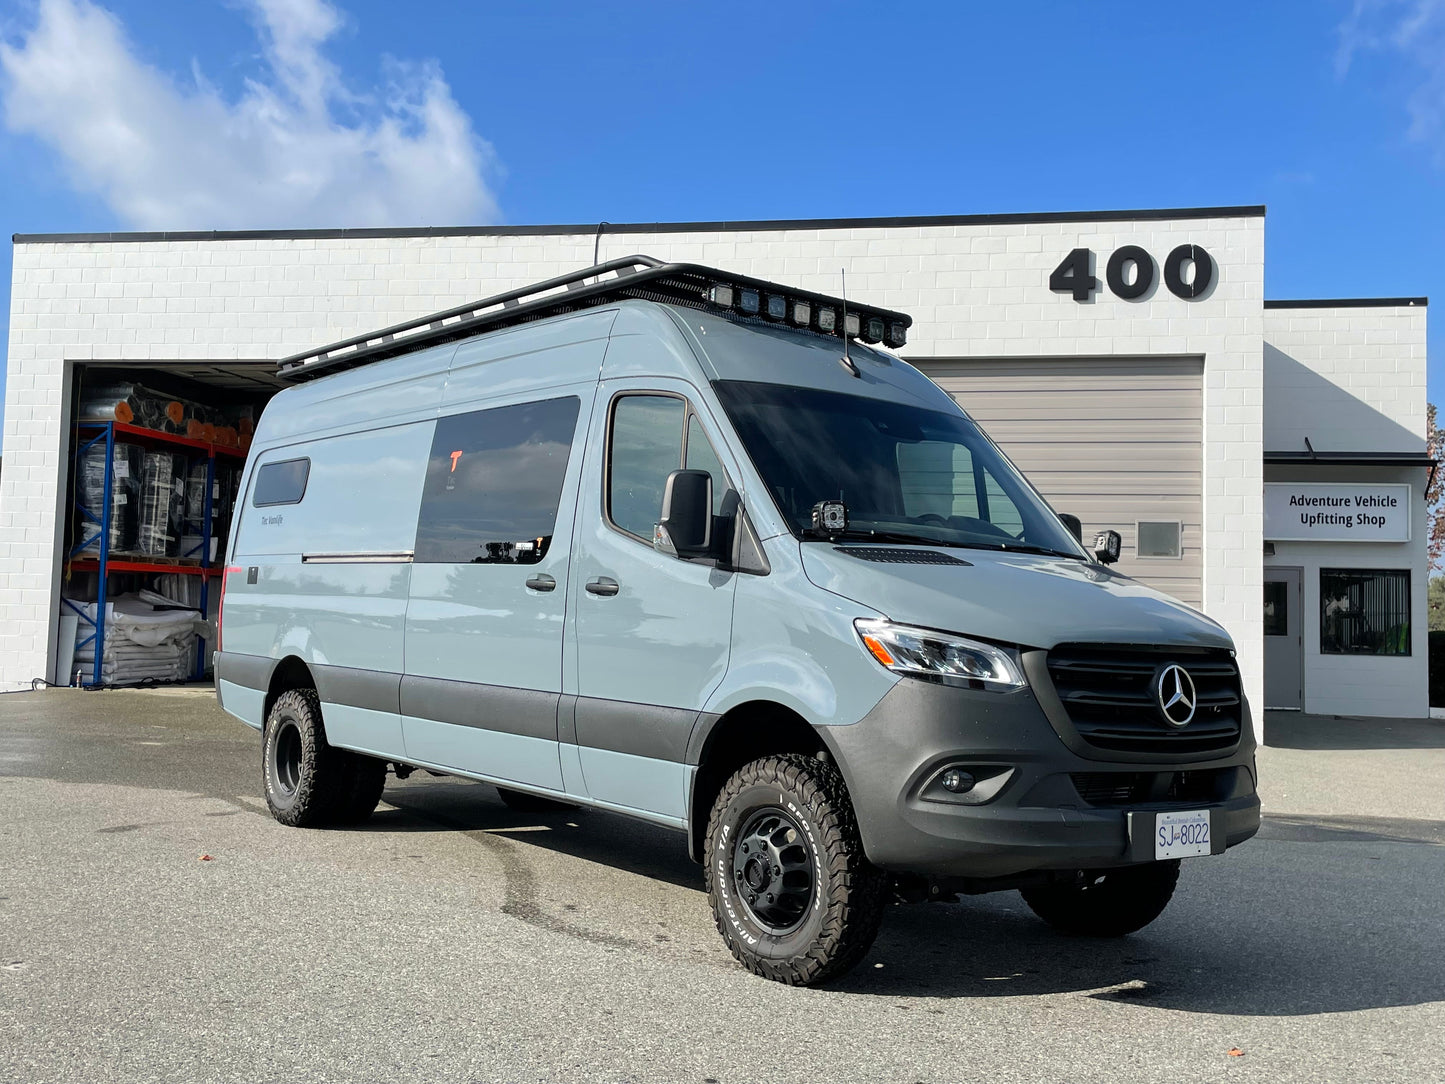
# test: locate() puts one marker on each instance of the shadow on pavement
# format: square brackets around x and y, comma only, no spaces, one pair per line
[1247,958]
[1289,730]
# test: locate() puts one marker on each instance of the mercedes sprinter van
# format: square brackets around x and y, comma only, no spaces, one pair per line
[699,549]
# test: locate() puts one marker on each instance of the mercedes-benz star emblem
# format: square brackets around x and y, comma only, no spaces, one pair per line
[1175,691]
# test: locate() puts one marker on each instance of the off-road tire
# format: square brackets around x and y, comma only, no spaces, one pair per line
[848,893]
[307,783]
[363,780]
[523,802]
[1109,902]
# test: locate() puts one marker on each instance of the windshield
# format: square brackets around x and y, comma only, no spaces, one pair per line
[905,473]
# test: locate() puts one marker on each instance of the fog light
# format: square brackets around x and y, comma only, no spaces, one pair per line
[749,302]
[777,307]
[957,781]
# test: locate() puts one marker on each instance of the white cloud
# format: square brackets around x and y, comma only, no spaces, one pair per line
[1412,30]
[295,148]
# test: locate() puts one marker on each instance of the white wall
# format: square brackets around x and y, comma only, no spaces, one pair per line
[1390,687]
[1350,378]
[975,289]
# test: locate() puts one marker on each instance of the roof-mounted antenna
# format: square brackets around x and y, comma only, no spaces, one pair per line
[845,360]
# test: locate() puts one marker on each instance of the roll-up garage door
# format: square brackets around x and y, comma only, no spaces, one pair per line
[1117,442]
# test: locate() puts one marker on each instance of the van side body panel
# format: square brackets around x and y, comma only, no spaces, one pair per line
[281,614]
[483,649]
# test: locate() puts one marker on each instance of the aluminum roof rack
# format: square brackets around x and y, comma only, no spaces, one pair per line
[632,277]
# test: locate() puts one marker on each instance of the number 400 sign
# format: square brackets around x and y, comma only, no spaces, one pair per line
[1073,275]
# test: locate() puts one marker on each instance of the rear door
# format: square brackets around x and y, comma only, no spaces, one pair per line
[489,588]
[650,633]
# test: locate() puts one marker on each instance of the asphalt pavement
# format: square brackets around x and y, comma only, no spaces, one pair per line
[156,924]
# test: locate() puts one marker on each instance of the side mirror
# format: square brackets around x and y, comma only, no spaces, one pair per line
[1075,528]
[685,529]
[1107,546]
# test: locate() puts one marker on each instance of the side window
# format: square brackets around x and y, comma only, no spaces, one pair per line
[493,483]
[1002,512]
[281,483]
[646,446]
[700,456]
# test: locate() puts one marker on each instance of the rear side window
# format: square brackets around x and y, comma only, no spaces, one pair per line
[493,483]
[281,483]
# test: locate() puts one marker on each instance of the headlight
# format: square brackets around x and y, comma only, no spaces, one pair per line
[939,656]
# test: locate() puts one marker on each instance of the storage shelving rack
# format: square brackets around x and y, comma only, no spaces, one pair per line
[88,435]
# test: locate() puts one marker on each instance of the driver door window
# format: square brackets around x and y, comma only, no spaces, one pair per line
[647,444]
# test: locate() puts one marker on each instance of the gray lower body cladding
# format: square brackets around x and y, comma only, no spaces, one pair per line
[1044,807]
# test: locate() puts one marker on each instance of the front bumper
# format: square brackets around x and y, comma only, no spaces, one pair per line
[1039,818]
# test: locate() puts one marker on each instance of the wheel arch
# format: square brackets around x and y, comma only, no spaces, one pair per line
[723,743]
[290,673]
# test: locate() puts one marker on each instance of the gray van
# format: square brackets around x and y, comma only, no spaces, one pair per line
[696,548]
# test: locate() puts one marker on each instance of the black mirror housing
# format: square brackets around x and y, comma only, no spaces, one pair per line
[1107,547]
[685,529]
[1074,526]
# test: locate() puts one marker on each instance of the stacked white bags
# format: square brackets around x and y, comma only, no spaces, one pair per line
[144,640]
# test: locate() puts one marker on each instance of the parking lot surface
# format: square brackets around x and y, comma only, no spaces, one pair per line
[452,939]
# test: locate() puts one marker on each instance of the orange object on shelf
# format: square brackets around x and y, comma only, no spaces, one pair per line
[176,412]
[123,412]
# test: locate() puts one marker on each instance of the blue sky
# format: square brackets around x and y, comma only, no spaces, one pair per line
[1331,113]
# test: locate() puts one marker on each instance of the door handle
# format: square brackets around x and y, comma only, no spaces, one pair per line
[604,586]
[542,582]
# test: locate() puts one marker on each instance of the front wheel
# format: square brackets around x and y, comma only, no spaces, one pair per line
[792,892]
[1107,902]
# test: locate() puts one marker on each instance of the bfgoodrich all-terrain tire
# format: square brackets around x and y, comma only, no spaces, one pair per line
[1108,902]
[363,780]
[792,892]
[307,782]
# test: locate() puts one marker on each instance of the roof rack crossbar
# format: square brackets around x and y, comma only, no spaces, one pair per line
[470,311]
[637,277]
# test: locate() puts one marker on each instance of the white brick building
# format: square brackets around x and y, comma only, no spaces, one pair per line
[1156,398]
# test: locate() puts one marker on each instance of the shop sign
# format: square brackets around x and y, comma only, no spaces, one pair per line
[1336,512]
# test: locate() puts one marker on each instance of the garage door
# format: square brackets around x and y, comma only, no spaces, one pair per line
[1117,442]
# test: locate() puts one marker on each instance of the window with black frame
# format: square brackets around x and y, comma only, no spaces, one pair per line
[493,483]
[1364,611]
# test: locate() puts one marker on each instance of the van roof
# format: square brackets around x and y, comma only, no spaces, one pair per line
[633,277]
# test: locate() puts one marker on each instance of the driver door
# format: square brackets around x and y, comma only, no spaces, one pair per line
[650,635]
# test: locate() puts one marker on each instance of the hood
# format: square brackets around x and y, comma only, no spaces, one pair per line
[1025,599]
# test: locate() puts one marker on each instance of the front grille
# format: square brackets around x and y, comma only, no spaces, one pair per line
[1153,788]
[1108,692]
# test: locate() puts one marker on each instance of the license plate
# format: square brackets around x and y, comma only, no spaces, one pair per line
[1182,834]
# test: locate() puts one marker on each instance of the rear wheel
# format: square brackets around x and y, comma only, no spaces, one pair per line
[792,892]
[1108,902]
[307,782]
[365,778]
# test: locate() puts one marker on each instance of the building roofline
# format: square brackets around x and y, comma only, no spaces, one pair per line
[1154,215]
[1351,303]
[1350,459]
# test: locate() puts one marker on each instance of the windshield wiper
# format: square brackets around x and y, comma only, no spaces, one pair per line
[860,534]
[1029,547]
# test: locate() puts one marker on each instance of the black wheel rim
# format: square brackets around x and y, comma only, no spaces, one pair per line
[773,872]
[286,757]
